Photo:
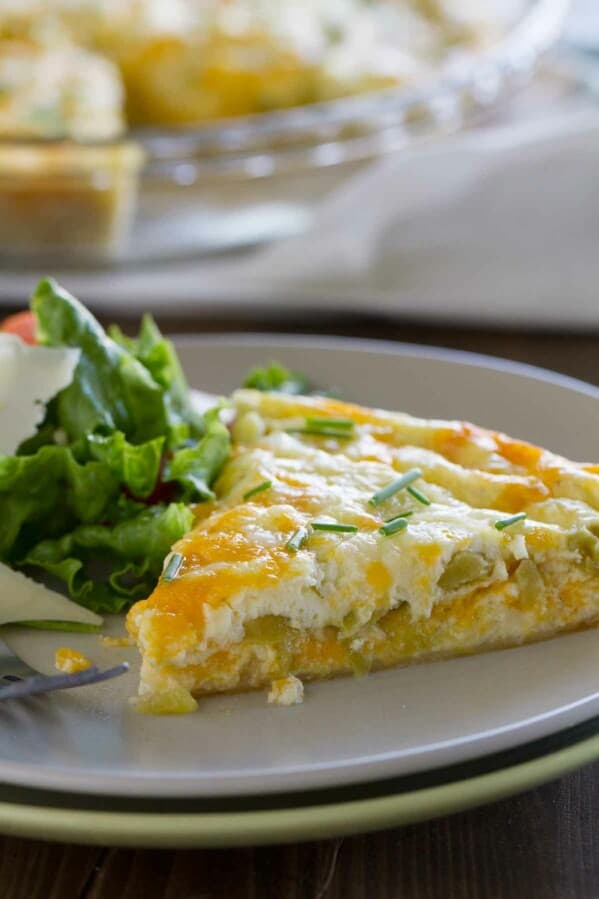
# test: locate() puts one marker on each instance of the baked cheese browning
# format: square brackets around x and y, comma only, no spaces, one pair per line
[471,448]
[184,61]
[494,548]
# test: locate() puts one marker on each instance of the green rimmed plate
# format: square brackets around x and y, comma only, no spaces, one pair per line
[315,816]
[238,766]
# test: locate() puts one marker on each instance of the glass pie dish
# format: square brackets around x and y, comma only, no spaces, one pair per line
[167,193]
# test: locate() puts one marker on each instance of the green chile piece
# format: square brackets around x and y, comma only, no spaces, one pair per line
[360,664]
[269,628]
[529,580]
[464,568]
[586,543]
[276,630]
[351,623]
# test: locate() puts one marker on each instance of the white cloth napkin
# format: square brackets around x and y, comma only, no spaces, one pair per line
[497,225]
[500,224]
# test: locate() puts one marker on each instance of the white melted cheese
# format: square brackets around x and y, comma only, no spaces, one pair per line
[30,376]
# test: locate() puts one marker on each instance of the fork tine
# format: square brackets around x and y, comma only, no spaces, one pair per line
[41,683]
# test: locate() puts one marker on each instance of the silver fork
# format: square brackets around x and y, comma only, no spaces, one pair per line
[19,687]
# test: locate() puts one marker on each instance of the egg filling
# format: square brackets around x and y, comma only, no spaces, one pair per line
[346,539]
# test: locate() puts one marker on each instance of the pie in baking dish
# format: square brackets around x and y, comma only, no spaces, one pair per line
[344,539]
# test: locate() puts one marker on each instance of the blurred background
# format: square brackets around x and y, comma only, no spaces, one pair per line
[421,159]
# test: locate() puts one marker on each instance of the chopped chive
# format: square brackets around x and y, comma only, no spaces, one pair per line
[172,566]
[401,515]
[335,528]
[265,485]
[413,491]
[395,486]
[394,526]
[507,522]
[297,540]
[341,423]
[339,433]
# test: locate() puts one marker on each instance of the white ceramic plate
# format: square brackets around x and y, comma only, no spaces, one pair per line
[347,731]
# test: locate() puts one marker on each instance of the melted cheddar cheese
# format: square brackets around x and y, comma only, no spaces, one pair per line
[246,608]
[69,661]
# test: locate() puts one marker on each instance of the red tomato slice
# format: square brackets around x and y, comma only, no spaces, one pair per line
[22,324]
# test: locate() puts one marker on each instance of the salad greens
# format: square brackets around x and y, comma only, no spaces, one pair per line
[111,390]
[277,378]
[159,357]
[98,496]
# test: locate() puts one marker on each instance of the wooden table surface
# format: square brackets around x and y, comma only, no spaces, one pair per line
[543,844]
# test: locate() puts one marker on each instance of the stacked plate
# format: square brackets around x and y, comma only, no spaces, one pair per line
[395,747]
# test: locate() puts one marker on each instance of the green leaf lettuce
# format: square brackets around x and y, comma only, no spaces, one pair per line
[99,495]
[111,389]
[106,567]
